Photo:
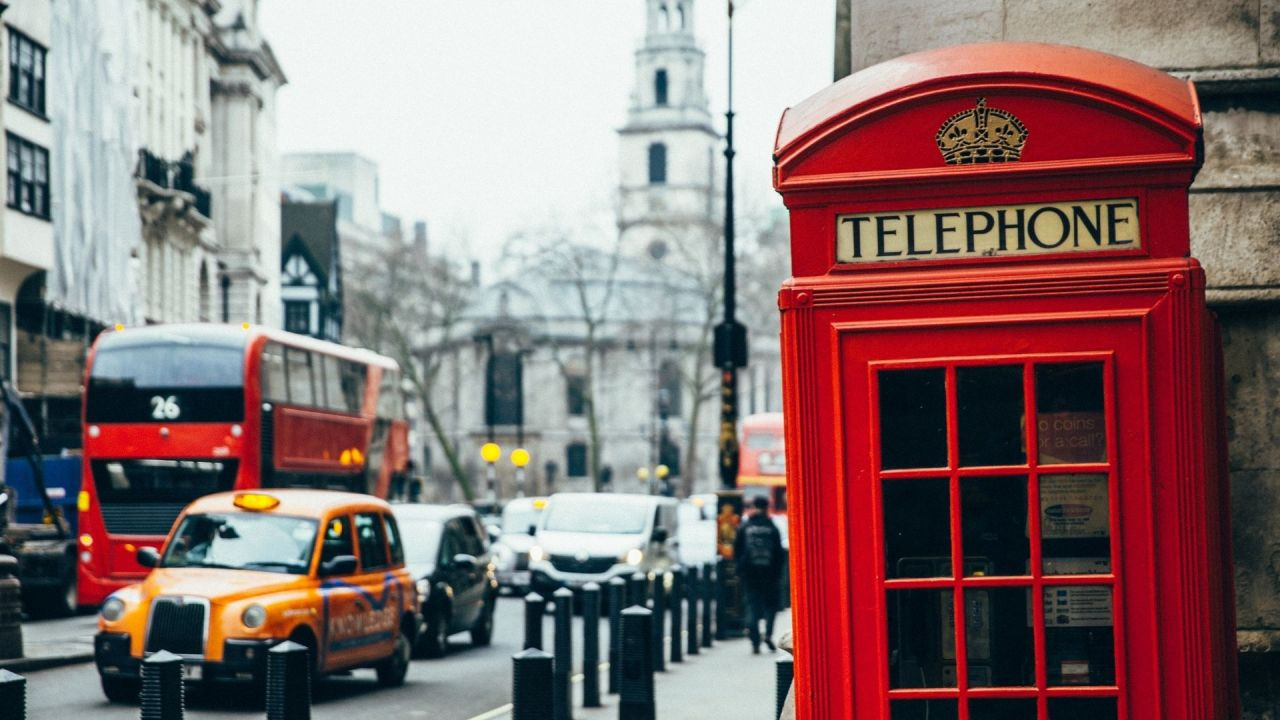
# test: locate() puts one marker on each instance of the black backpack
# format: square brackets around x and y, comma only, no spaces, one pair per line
[758,544]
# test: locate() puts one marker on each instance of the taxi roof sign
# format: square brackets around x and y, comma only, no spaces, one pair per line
[256,501]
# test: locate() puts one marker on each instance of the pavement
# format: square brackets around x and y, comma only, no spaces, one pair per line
[726,681]
[51,643]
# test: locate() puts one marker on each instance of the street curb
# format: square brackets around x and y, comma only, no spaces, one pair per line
[21,665]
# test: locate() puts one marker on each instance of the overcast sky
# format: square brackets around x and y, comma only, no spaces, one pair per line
[488,115]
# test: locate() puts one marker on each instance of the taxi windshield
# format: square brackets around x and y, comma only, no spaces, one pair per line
[243,541]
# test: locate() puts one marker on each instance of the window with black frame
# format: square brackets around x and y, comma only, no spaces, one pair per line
[26,72]
[28,175]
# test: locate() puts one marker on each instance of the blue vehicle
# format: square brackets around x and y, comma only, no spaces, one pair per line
[38,501]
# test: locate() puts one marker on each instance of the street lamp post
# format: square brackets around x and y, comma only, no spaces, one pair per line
[731,336]
[519,458]
[660,473]
[642,474]
[490,452]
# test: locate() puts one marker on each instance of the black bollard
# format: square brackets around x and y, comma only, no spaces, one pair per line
[617,595]
[561,700]
[531,677]
[10,608]
[535,606]
[691,592]
[591,645]
[785,670]
[635,701]
[289,682]
[676,601]
[13,695]
[708,592]
[659,626]
[639,589]
[161,697]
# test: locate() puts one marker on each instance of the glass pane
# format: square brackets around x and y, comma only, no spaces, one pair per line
[1079,635]
[1070,422]
[1020,709]
[922,639]
[1001,648]
[1075,524]
[1082,709]
[913,419]
[917,528]
[922,710]
[993,515]
[990,414]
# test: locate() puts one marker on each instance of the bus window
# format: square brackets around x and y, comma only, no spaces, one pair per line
[353,380]
[335,398]
[390,402]
[298,365]
[274,387]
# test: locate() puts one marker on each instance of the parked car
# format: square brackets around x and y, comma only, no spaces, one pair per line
[447,552]
[595,537]
[242,571]
[511,549]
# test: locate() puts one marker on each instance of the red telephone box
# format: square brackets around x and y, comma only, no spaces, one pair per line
[1003,408]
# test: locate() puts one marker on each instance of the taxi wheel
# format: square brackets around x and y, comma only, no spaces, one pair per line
[121,690]
[434,642]
[482,631]
[391,672]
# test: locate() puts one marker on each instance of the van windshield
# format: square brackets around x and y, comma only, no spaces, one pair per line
[590,515]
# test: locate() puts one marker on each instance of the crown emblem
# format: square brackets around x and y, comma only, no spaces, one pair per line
[981,135]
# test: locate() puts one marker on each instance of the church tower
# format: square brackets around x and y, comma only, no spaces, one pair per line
[667,148]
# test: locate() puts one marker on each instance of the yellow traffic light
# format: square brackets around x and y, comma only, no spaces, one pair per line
[490,452]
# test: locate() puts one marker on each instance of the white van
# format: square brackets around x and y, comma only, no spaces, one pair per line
[595,537]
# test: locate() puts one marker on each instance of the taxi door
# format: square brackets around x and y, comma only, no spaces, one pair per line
[379,602]
[352,603]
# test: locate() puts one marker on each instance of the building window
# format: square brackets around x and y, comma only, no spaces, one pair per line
[6,339]
[26,72]
[669,387]
[657,164]
[297,316]
[28,177]
[575,455]
[576,395]
[660,87]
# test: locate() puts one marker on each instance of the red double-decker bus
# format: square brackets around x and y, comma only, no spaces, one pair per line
[762,462]
[174,412]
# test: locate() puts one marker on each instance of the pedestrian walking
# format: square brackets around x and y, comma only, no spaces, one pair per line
[758,553]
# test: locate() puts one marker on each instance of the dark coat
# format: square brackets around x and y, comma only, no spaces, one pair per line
[757,551]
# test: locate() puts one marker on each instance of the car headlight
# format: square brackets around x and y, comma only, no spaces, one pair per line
[423,588]
[254,616]
[634,556]
[536,554]
[113,609]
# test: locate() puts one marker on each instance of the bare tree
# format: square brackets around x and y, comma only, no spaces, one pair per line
[409,307]
[588,276]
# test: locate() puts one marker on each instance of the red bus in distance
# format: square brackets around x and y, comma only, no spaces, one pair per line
[175,412]
[762,461]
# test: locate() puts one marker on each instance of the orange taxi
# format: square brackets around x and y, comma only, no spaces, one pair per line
[242,571]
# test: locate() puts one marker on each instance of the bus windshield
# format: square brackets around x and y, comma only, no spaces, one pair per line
[243,541]
[166,382]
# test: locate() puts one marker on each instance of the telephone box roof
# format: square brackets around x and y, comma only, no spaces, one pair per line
[1071,69]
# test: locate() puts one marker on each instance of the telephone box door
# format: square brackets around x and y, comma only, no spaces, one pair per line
[992,504]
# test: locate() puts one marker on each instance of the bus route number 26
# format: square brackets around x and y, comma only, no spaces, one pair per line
[165,408]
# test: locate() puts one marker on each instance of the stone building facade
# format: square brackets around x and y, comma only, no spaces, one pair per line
[142,182]
[646,363]
[1230,49]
